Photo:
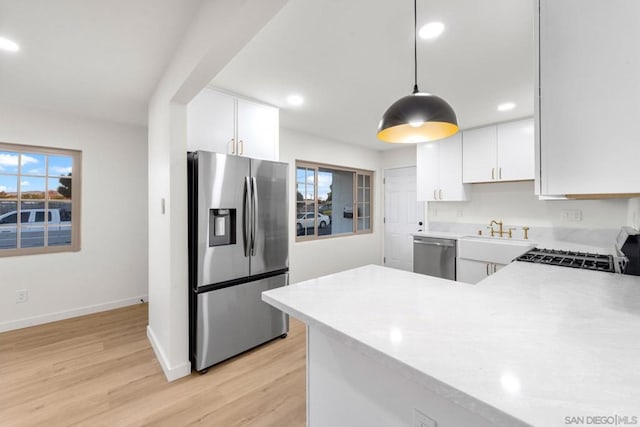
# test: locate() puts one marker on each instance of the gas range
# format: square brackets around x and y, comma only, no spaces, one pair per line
[583,260]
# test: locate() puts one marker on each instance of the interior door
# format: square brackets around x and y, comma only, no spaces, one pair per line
[271,231]
[402,214]
[221,209]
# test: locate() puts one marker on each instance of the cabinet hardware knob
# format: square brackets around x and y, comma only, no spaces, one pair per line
[241,147]
[434,195]
[440,194]
[233,145]
[493,173]
[499,173]
[494,268]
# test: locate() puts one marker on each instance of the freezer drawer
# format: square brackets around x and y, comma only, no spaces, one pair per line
[234,319]
[434,257]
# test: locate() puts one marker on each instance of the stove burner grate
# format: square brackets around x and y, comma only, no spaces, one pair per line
[584,260]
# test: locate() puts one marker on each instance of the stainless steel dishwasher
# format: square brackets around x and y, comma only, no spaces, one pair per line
[434,257]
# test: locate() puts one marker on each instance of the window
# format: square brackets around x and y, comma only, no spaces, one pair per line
[39,200]
[326,199]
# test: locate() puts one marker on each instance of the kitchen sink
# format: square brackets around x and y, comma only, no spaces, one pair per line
[492,249]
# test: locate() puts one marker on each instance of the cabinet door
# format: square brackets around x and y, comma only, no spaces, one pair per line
[257,130]
[470,271]
[516,156]
[450,172]
[479,155]
[427,170]
[211,122]
[589,93]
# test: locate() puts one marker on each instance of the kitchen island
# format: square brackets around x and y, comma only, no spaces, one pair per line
[530,345]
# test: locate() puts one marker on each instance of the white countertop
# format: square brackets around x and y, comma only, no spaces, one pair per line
[440,234]
[540,243]
[530,345]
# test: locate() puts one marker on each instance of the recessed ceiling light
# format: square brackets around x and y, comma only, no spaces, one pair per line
[8,45]
[506,106]
[431,30]
[295,100]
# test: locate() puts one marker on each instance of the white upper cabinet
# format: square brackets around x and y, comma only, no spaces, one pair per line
[211,122]
[588,81]
[516,150]
[257,130]
[503,152]
[479,154]
[439,170]
[223,123]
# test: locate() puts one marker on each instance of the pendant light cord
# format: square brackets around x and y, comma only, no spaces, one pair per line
[415,46]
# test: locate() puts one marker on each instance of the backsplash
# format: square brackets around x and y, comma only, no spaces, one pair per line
[593,223]
[544,236]
[515,203]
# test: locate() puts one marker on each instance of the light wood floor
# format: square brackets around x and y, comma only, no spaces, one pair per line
[99,370]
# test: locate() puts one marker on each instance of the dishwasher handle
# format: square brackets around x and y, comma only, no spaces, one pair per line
[434,242]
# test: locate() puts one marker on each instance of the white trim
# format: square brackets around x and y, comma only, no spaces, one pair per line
[67,314]
[308,373]
[171,373]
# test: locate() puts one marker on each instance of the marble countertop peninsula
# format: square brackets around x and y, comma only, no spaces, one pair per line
[529,345]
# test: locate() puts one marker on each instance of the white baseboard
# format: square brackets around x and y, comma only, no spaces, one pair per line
[172,373]
[67,314]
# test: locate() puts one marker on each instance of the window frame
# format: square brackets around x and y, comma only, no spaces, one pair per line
[76,192]
[356,173]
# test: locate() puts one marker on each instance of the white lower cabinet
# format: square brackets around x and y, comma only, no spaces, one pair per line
[472,271]
[439,170]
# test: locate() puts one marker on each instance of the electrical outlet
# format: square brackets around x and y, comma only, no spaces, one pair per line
[572,215]
[459,212]
[22,295]
[421,420]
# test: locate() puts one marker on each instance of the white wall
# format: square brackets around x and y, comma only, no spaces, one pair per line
[316,258]
[633,216]
[219,30]
[399,157]
[515,203]
[110,270]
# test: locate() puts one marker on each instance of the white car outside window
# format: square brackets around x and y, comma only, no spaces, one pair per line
[305,220]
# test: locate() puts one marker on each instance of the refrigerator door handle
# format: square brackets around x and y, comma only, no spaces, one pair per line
[245,213]
[254,213]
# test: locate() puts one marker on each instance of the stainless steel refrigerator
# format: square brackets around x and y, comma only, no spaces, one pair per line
[238,248]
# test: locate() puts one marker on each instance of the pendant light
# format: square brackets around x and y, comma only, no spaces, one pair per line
[419,117]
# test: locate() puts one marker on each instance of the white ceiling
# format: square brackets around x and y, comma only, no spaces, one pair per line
[352,59]
[94,58]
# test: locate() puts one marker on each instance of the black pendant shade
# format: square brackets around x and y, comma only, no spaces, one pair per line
[419,117]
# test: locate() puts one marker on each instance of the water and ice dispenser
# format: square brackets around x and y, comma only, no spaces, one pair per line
[222,227]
